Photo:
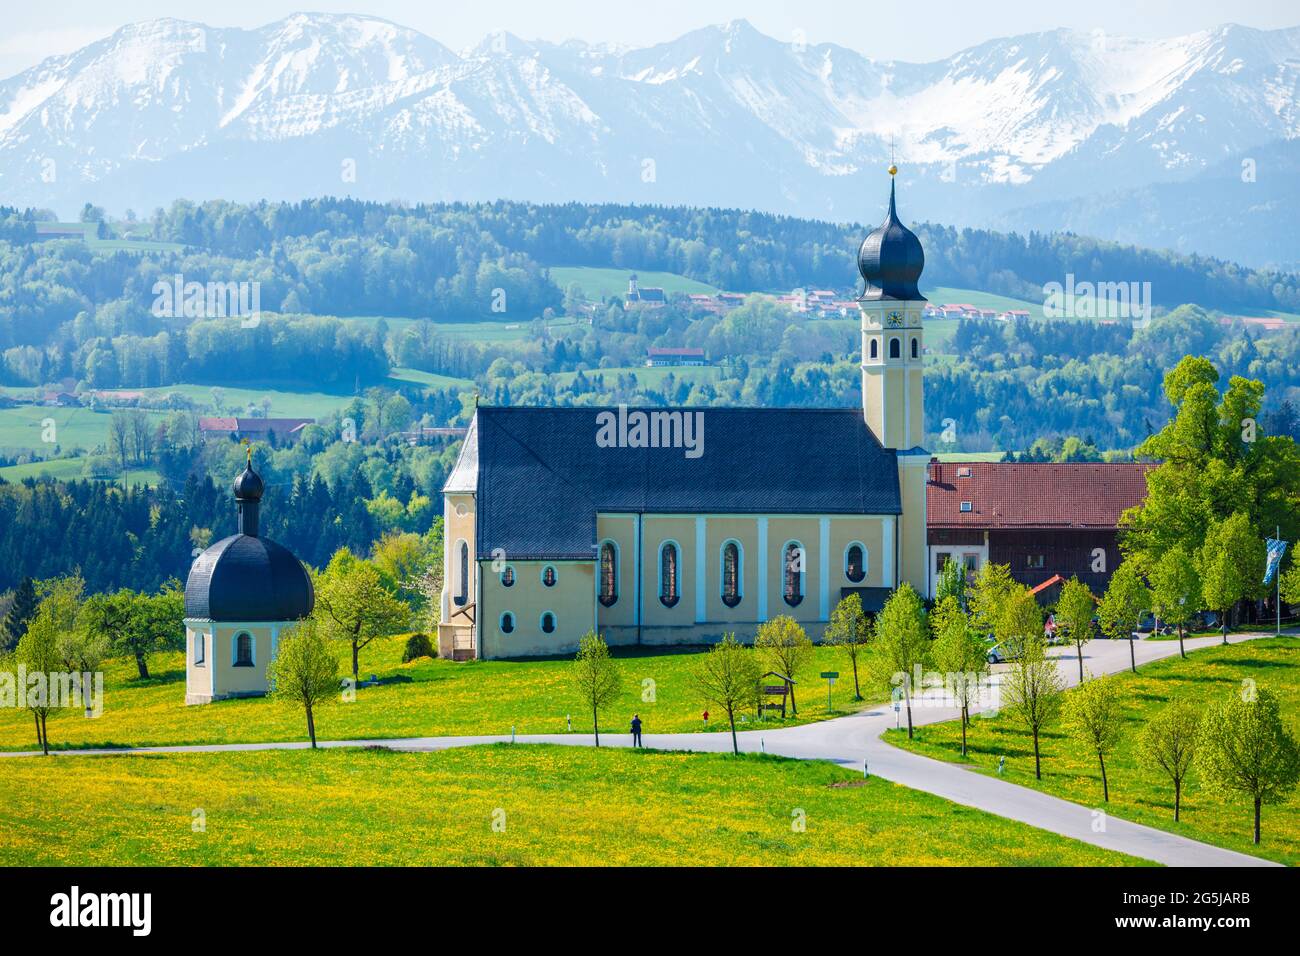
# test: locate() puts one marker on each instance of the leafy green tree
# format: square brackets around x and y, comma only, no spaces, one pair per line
[1168,744]
[1245,748]
[1125,601]
[961,654]
[951,583]
[1231,565]
[1074,613]
[988,595]
[596,677]
[1176,590]
[785,646]
[38,652]
[849,628]
[137,624]
[1019,620]
[357,605]
[727,677]
[1093,713]
[1033,687]
[21,611]
[901,645]
[305,670]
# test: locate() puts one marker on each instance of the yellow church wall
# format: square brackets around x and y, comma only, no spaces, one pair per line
[656,530]
[622,531]
[219,653]
[572,600]
[459,512]
[912,527]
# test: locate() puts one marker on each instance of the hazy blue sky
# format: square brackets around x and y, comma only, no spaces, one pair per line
[907,30]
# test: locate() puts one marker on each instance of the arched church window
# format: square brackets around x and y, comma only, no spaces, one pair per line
[792,589]
[244,650]
[895,351]
[200,647]
[669,591]
[915,348]
[508,577]
[608,574]
[855,564]
[507,623]
[462,579]
[875,349]
[731,574]
[549,577]
[548,623]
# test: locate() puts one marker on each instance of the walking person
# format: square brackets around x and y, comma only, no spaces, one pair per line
[636,730]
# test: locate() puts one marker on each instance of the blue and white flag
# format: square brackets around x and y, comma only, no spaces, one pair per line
[1276,548]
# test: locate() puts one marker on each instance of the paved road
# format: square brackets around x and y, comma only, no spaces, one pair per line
[854,740]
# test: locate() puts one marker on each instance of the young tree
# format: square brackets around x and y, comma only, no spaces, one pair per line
[304,671]
[1125,601]
[849,628]
[1176,590]
[1020,620]
[357,606]
[596,677]
[1244,747]
[902,643]
[784,645]
[1092,712]
[963,657]
[38,652]
[988,595]
[1169,744]
[1033,687]
[727,677]
[1074,613]
[1231,565]
[951,583]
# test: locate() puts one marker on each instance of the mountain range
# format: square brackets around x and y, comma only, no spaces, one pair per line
[1190,142]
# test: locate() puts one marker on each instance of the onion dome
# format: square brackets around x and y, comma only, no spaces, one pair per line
[246,578]
[891,258]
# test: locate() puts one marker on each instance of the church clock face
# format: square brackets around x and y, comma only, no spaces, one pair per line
[894,319]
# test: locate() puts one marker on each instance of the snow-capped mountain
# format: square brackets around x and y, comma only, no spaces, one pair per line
[324,104]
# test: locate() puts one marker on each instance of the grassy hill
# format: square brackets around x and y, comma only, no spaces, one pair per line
[599,283]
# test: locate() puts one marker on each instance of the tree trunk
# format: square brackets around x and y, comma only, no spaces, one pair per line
[1257,821]
[1223,628]
[595,725]
[1181,649]
[142,665]
[1178,797]
[1079,646]
[964,720]
[311,727]
[1105,787]
[735,747]
[40,740]
[1038,769]
[857,691]
[356,674]
[1132,655]
[908,697]
[45,745]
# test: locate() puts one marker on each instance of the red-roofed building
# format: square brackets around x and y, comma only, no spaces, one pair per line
[1040,519]
[253,428]
[657,356]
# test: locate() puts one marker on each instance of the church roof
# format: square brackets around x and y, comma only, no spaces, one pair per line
[891,259]
[541,477]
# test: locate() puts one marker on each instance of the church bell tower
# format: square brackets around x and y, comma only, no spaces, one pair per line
[890,260]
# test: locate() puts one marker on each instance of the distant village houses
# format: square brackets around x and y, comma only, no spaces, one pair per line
[253,428]
[657,357]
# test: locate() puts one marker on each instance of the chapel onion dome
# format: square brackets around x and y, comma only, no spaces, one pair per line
[891,258]
[246,578]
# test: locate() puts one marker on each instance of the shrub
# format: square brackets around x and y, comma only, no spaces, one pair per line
[417,645]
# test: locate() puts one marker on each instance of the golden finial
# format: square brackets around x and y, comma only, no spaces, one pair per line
[893,168]
[248,447]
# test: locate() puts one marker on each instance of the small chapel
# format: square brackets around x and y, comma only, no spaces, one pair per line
[674,525]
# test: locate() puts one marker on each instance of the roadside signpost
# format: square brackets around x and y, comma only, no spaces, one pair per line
[829,677]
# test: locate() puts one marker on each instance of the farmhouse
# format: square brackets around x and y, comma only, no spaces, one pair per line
[263,428]
[674,356]
[552,529]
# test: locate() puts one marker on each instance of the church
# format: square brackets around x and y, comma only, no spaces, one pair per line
[674,526]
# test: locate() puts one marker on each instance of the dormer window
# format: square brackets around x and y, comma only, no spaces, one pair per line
[963,471]
[966,506]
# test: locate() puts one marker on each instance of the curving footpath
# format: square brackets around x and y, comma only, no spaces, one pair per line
[855,741]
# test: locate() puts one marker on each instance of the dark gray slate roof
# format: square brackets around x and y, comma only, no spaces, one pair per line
[247,579]
[542,478]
